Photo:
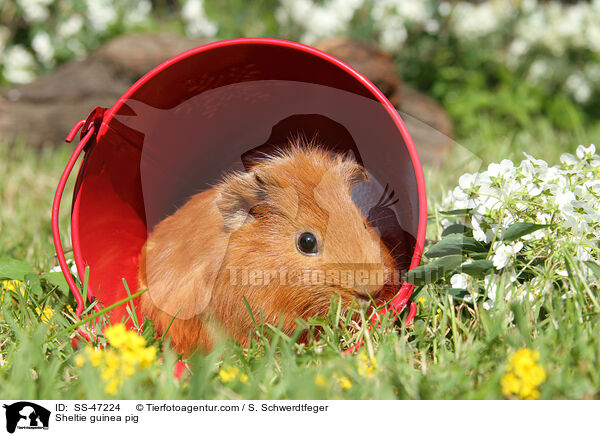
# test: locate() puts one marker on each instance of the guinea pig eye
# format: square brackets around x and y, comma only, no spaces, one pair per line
[307,243]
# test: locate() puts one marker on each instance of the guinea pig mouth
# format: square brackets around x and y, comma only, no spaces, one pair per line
[363,300]
[386,292]
[363,296]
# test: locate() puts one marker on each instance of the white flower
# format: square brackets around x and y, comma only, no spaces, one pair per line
[578,86]
[491,286]
[467,181]
[432,26]
[540,163]
[197,23]
[317,20]
[463,281]
[568,159]
[445,8]
[538,71]
[460,281]
[504,254]
[501,169]
[35,11]
[101,14]
[18,65]
[583,152]
[392,37]
[43,47]
[564,199]
[516,50]
[472,21]
[70,27]
[70,264]
[139,13]
[479,235]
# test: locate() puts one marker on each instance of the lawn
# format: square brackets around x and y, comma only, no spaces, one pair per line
[454,349]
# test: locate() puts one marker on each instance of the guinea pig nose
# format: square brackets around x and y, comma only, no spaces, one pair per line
[370,281]
[366,289]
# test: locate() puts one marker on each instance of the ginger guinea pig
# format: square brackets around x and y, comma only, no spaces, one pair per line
[286,236]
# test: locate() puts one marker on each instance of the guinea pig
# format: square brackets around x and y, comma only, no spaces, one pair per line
[284,236]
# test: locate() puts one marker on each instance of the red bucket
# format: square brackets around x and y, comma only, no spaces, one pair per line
[198,115]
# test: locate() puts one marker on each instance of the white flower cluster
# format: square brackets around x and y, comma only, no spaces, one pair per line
[565,197]
[196,21]
[55,26]
[558,27]
[471,20]
[548,25]
[317,20]
[391,18]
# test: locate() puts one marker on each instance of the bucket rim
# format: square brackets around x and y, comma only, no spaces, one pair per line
[373,90]
[98,123]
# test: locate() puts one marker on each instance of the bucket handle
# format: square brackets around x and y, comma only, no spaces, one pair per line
[86,136]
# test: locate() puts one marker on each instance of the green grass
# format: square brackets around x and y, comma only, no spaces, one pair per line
[451,351]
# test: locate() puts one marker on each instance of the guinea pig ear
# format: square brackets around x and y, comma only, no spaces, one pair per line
[358,175]
[353,171]
[238,196]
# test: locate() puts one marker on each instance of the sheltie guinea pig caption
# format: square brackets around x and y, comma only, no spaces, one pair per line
[285,235]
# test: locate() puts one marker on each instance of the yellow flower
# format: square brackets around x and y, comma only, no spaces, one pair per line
[229,373]
[94,354]
[147,356]
[510,384]
[366,366]
[116,335]
[344,383]
[79,360]
[11,286]
[46,314]
[523,375]
[112,387]
[70,309]
[421,301]
[127,352]
[320,381]
[244,378]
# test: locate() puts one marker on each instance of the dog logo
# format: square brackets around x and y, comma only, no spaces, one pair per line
[26,415]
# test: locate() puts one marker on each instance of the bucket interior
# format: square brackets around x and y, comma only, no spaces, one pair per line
[212,110]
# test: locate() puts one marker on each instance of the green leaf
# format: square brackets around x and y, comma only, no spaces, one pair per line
[434,271]
[477,268]
[456,212]
[33,280]
[594,267]
[58,280]
[457,228]
[148,331]
[13,269]
[456,244]
[458,293]
[518,230]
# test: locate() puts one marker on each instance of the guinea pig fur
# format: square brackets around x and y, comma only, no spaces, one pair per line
[286,236]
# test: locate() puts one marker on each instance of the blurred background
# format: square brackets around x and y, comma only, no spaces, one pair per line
[497,68]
